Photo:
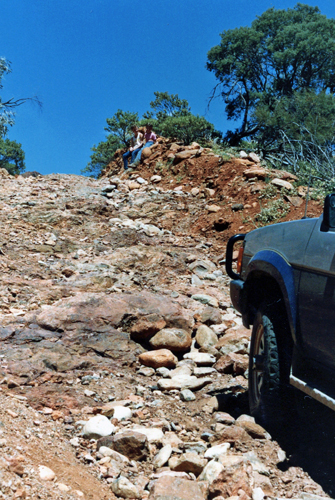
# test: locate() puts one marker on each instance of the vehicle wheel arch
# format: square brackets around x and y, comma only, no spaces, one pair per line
[270,277]
[261,289]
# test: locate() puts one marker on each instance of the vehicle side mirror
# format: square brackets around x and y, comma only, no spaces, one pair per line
[329,211]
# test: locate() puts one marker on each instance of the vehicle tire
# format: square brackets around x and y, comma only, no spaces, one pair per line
[268,367]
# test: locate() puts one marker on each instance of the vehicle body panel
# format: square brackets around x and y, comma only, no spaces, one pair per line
[317,297]
[293,263]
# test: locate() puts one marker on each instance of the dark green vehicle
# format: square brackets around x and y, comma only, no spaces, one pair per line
[284,286]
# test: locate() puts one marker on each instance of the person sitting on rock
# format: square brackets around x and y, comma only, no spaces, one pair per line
[149,139]
[136,144]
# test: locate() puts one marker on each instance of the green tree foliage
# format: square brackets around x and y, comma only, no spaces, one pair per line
[170,116]
[11,156]
[6,114]
[166,105]
[259,68]
[304,112]
[299,134]
[11,153]
[118,137]
[187,128]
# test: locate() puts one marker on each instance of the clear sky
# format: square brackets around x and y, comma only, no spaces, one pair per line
[85,59]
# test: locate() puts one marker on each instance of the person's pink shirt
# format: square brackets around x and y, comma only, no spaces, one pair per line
[150,136]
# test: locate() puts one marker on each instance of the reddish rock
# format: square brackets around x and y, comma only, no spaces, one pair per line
[261,481]
[146,327]
[287,175]
[254,430]
[132,444]
[232,434]
[156,359]
[260,173]
[205,337]
[91,311]
[233,336]
[183,155]
[188,462]
[175,339]
[282,184]
[209,316]
[176,488]
[231,480]
[232,363]
[224,418]
[146,152]
[253,157]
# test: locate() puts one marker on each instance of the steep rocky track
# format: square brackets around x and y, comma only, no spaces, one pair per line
[123,364]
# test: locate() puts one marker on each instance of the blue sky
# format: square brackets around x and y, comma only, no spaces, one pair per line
[85,59]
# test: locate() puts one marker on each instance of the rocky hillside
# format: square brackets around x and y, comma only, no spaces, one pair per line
[123,365]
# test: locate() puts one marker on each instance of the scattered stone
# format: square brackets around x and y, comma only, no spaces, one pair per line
[174,339]
[233,363]
[63,488]
[123,488]
[217,451]
[196,280]
[205,336]
[259,173]
[224,418]
[162,456]
[237,206]
[232,480]
[209,316]
[188,462]
[253,429]
[98,426]
[172,439]
[202,267]
[176,488]
[183,382]
[160,358]
[206,299]
[45,473]
[201,358]
[183,368]
[146,371]
[211,471]
[155,178]
[263,482]
[122,413]
[146,327]
[203,371]
[163,372]
[187,395]
[282,183]
[232,434]
[89,393]
[254,157]
[132,444]
[213,208]
[117,457]
[153,434]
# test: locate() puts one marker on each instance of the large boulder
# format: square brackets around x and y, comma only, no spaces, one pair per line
[97,312]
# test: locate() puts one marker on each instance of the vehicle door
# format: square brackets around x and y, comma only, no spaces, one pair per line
[316,298]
